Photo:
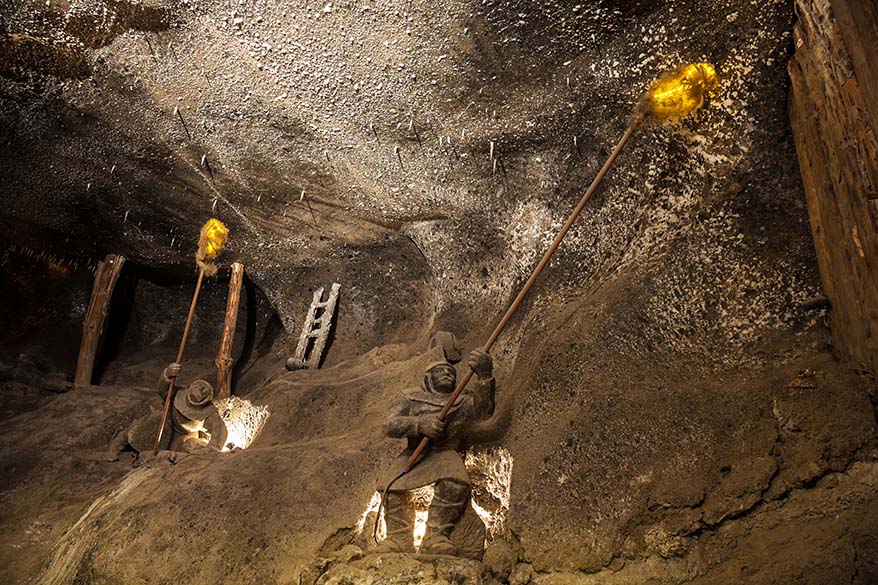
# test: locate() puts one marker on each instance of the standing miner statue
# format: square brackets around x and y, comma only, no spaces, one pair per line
[416,415]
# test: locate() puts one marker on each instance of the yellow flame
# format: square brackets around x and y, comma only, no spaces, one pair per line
[213,237]
[682,91]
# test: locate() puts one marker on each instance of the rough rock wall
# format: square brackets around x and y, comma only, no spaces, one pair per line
[834,114]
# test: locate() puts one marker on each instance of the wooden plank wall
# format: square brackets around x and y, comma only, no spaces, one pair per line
[834,117]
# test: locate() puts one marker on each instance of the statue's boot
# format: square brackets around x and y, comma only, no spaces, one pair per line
[399,515]
[449,500]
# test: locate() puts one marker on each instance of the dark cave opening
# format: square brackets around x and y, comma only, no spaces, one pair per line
[46,303]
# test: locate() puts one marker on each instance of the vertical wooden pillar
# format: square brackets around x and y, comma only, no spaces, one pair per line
[224,361]
[106,275]
[834,119]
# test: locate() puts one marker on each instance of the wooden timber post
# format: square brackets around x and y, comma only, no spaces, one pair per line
[224,361]
[106,276]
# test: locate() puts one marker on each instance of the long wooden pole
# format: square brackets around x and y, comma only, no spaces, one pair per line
[530,282]
[106,276]
[224,361]
[544,261]
[169,396]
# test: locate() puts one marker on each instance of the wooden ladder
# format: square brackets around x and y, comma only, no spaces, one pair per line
[317,328]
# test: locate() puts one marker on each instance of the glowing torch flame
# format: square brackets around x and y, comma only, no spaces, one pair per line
[681,92]
[213,237]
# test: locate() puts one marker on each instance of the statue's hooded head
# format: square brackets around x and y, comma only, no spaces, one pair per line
[440,377]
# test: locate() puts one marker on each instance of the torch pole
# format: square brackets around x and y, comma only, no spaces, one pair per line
[425,441]
[167,408]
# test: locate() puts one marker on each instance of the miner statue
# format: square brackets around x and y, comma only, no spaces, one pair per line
[195,423]
[416,415]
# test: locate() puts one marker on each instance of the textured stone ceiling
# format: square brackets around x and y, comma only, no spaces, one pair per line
[455,134]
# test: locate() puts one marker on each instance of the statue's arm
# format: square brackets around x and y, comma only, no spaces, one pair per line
[162,384]
[483,391]
[493,428]
[399,424]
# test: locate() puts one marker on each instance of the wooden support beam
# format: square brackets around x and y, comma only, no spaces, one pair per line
[224,361]
[858,24]
[834,120]
[106,276]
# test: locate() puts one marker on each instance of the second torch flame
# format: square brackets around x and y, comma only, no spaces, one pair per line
[213,237]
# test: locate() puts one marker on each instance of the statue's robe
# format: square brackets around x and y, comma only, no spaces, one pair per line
[441,460]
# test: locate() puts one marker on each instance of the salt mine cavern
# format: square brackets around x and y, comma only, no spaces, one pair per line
[439,292]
